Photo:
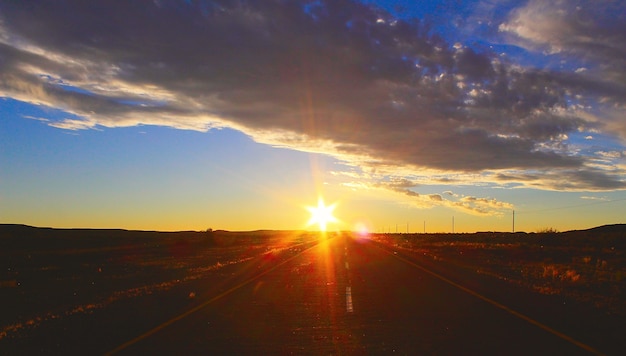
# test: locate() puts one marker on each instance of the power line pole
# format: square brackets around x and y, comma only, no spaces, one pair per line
[453,224]
[513,221]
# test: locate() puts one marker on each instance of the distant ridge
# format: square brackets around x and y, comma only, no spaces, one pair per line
[7,230]
[613,228]
[18,230]
[22,227]
[12,229]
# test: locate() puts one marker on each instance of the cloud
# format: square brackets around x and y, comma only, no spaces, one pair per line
[589,179]
[336,77]
[483,206]
[585,197]
[593,32]
[435,197]
[610,154]
[42,119]
[594,29]
[469,204]
[399,185]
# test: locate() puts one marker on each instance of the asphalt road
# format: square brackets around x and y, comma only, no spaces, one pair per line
[349,296]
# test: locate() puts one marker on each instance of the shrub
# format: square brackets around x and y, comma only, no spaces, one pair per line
[548,230]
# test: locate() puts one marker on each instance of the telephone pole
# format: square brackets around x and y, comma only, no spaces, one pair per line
[513,221]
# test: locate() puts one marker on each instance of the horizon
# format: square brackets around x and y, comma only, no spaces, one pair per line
[361,233]
[445,117]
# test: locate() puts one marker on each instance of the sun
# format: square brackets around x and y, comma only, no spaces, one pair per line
[321,214]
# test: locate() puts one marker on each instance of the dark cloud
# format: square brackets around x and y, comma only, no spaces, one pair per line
[474,65]
[399,186]
[590,179]
[435,197]
[591,33]
[332,76]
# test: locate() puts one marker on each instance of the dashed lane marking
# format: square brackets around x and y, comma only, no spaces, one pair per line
[349,307]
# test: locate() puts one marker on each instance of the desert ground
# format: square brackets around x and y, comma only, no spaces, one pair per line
[54,279]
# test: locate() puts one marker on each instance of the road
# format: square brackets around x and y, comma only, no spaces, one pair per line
[352,296]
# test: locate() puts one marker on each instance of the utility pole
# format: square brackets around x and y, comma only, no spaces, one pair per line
[513,221]
[407,228]
[424,226]
[453,224]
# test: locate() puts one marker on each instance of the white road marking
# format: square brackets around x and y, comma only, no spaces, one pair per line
[349,307]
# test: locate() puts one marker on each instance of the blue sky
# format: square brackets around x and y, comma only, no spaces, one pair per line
[177,115]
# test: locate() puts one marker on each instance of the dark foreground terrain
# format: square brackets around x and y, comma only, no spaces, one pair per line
[100,291]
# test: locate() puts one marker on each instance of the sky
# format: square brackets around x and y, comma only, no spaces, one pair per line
[418,116]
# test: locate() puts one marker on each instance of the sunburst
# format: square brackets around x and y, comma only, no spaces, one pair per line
[321,214]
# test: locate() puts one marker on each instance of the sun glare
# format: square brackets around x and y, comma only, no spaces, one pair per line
[321,214]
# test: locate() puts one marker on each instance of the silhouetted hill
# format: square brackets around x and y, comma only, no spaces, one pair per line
[612,229]
[16,230]
[13,236]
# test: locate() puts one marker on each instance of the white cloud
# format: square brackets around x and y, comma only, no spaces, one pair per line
[41,119]
[73,124]
[586,197]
